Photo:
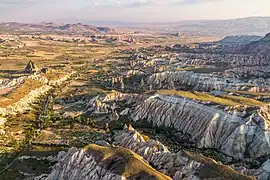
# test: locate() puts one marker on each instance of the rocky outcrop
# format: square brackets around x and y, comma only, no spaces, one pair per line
[208,127]
[224,60]
[134,73]
[181,165]
[103,163]
[131,157]
[106,104]
[259,89]
[261,174]
[188,80]
[249,71]
[237,40]
[7,83]
[265,113]
[2,126]
[261,47]
[54,82]
[24,104]
[30,68]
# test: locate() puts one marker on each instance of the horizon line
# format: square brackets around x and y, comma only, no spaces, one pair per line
[129,22]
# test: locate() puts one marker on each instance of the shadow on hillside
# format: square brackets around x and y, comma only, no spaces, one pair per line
[14,168]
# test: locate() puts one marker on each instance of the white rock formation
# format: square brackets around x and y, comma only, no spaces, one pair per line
[181,165]
[261,174]
[134,73]
[207,126]
[105,104]
[25,103]
[7,83]
[102,163]
[195,81]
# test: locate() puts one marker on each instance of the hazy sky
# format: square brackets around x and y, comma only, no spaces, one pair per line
[129,10]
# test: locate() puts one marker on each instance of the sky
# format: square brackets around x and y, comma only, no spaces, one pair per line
[129,10]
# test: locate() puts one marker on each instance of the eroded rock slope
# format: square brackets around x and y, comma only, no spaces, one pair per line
[208,126]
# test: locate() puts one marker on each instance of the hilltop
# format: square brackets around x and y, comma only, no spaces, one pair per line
[261,46]
[224,27]
[55,28]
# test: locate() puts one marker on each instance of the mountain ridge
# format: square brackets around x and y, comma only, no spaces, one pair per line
[53,27]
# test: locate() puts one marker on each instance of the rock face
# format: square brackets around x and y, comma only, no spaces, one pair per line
[259,47]
[250,71]
[134,73]
[181,165]
[190,80]
[236,40]
[227,60]
[55,82]
[2,126]
[207,126]
[131,157]
[106,104]
[7,83]
[25,103]
[261,174]
[265,113]
[103,163]
[30,68]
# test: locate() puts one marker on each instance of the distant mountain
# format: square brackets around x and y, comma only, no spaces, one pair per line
[238,40]
[266,38]
[261,46]
[242,26]
[57,28]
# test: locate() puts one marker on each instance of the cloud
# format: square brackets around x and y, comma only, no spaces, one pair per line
[98,3]
[128,10]
[143,3]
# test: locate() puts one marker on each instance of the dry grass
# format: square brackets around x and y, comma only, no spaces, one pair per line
[244,100]
[222,100]
[55,75]
[131,165]
[199,96]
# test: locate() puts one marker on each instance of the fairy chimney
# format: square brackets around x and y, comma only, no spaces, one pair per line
[30,68]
